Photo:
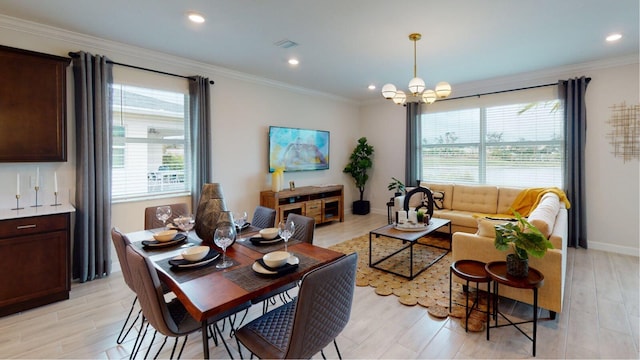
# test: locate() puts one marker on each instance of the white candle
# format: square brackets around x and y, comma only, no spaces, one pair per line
[402,217]
[18,184]
[38,176]
[413,216]
[55,181]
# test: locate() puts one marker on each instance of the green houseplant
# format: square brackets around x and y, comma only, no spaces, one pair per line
[397,186]
[359,162]
[525,239]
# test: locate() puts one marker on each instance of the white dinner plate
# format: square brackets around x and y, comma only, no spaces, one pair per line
[293,260]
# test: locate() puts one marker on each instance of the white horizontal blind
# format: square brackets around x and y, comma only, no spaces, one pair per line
[150,138]
[503,140]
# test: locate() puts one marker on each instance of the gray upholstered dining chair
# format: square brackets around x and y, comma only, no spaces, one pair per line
[152,222]
[170,319]
[304,227]
[263,217]
[305,326]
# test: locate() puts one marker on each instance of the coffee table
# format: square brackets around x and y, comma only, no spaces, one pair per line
[410,237]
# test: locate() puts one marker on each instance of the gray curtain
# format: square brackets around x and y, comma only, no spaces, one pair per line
[92,86]
[413,160]
[200,115]
[574,91]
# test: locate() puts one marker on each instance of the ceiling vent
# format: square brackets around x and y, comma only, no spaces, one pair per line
[285,43]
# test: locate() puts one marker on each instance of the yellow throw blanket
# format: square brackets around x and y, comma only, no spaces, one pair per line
[528,199]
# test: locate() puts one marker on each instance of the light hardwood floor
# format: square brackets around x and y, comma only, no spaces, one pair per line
[600,319]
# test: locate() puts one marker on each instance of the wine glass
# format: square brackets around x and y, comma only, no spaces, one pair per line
[240,219]
[285,230]
[163,213]
[223,237]
[185,223]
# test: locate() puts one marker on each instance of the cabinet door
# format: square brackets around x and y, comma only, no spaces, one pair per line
[331,208]
[32,106]
[284,210]
[314,210]
[35,269]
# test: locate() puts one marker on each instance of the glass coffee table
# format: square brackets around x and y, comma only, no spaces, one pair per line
[409,237]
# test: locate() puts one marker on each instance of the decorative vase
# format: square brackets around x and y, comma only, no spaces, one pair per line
[517,267]
[210,206]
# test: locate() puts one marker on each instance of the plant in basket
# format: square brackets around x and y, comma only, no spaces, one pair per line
[525,239]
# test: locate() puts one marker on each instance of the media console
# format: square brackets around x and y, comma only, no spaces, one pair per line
[323,203]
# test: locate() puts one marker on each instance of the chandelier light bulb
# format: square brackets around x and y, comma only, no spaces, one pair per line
[429,96]
[400,98]
[389,91]
[443,89]
[416,85]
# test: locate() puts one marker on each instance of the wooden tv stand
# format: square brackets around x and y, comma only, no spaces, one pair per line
[323,203]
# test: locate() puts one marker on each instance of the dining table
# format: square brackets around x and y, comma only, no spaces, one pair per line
[206,291]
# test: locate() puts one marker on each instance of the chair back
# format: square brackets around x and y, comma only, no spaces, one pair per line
[120,242]
[152,222]
[323,307]
[149,290]
[264,217]
[304,227]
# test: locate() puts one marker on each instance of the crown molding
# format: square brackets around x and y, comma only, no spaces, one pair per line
[141,56]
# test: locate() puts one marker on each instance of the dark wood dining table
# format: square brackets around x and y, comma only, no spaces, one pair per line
[207,291]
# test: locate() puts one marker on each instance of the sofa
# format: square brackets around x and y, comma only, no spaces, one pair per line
[474,210]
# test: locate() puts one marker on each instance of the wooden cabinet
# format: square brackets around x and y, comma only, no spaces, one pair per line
[35,262]
[323,203]
[32,106]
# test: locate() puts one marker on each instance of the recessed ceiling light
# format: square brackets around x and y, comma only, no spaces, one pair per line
[372,87]
[614,37]
[196,18]
[294,61]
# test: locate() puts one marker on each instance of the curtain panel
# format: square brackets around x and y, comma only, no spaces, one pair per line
[413,153]
[93,81]
[574,91]
[200,113]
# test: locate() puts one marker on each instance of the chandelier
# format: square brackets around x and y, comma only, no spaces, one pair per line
[417,92]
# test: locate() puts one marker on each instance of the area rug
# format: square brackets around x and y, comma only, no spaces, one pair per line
[430,289]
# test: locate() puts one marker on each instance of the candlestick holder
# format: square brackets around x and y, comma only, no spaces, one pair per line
[37,188]
[17,203]
[55,202]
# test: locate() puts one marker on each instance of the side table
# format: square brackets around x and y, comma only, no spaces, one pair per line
[497,270]
[471,271]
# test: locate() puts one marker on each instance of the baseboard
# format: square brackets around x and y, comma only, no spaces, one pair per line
[624,250]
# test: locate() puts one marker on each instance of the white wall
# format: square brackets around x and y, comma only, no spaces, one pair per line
[613,187]
[243,108]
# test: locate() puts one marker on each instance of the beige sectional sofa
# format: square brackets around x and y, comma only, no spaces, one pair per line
[468,206]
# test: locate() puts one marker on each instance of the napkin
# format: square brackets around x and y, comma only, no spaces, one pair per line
[285,269]
[258,240]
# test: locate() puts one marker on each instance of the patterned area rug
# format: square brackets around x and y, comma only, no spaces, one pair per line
[430,289]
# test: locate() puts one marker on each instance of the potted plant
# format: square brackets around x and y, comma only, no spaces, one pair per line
[359,162]
[525,239]
[397,186]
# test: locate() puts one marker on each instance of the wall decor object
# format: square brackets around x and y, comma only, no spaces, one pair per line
[294,149]
[625,131]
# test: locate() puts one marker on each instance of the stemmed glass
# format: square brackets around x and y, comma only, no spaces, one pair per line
[223,237]
[185,223]
[240,219]
[163,213]
[285,230]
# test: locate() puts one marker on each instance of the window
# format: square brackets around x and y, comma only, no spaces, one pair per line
[509,142]
[150,141]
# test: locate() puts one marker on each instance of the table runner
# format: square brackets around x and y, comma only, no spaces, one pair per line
[249,280]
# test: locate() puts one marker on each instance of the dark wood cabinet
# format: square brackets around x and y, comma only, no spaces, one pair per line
[32,106]
[35,264]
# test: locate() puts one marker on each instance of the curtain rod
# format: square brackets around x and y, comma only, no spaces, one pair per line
[504,91]
[75,55]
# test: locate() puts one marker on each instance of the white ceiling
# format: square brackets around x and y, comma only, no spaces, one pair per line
[345,45]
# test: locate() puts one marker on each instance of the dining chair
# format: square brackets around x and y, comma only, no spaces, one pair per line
[171,319]
[263,217]
[305,326]
[304,228]
[152,222]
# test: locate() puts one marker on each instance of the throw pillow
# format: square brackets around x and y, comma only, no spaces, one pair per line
[438,199]
[487,227]
[544,215]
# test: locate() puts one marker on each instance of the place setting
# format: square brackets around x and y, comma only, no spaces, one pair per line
[276,263]
[165,238]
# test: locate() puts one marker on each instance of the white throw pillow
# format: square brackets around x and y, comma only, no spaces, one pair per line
[544,215]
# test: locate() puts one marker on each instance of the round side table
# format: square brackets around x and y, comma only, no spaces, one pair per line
[470,271]
[497,270]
